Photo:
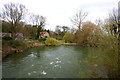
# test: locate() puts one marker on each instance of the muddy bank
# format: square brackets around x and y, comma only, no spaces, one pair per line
[7,49]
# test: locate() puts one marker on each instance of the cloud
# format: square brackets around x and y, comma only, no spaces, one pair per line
[58,12]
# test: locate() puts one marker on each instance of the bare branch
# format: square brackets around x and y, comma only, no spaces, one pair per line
[13,13]
[78,18]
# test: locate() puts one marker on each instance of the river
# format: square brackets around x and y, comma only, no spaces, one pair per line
[55,62]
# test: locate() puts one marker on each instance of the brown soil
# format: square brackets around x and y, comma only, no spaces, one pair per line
[7,50]
[38,44]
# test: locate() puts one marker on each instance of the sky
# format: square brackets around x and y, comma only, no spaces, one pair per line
[59,12]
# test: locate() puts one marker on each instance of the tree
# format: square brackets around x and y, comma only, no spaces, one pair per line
[58,31]
[5,27]
[40,20]
[65,29]
[111,23]
[99,23]
[73,30]
[13,13]
[78,18]
[68,37]
[29,31]
[113,18]
[91,33]
[40,23]
[52,34]
[32,18]
[88,31]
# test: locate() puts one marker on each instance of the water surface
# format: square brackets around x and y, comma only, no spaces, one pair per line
[55,62]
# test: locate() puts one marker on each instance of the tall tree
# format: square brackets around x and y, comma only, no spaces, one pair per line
[78,18]
[111,23]
[13,13]
[113,18]
[65,29]
[40,23]
[58,31]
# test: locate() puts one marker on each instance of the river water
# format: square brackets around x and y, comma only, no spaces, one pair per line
[55,62]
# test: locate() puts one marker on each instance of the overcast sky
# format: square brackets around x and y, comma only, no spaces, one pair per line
[59,12]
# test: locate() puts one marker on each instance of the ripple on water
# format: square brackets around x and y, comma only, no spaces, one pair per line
[35,53]
[51,62]
[32,65]
[56,65]
[34,72]
[29,73]
[32,52]
[58,61]
[60,67]
[31,55]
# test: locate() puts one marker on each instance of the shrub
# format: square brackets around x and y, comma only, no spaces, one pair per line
[41,39]
[68,37]
[7,38]
[109,45]
[17,43]
[51,41]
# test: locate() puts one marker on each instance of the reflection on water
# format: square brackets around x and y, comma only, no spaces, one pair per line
[55,62]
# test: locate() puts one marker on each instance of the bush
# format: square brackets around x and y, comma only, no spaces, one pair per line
[51,41]
[109,45]
[7,38]
[17,43]
[68,37]
[41,39]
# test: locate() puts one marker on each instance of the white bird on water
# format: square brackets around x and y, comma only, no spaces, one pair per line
[57,58]
[44,73]
[58,61]
[56,65]
[51,62]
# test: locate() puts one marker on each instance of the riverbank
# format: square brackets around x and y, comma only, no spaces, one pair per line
[8,49]
[69,44]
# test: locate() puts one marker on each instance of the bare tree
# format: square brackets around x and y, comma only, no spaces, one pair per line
[13,13]
[65,29]
[38,20]
[58,29]
[78,18]
[113,21]
[32,18]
